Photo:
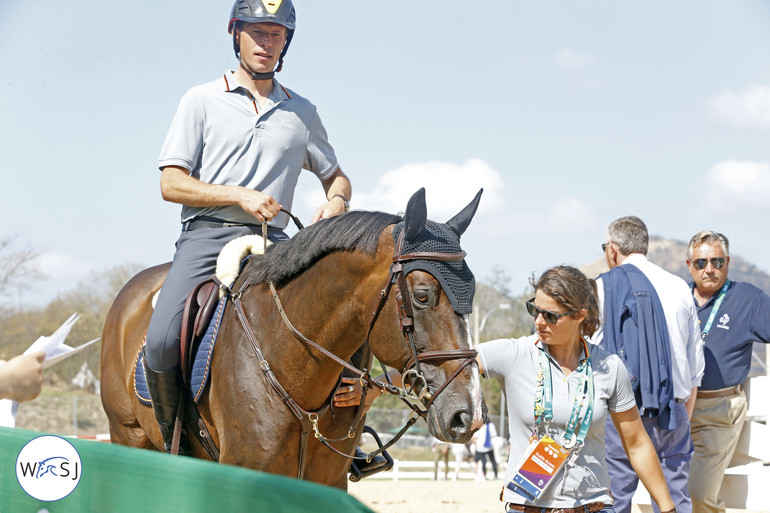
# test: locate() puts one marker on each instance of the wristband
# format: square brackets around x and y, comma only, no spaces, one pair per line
[344,201]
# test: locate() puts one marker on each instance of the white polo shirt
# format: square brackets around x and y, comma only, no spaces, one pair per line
[514,363]
[221,136]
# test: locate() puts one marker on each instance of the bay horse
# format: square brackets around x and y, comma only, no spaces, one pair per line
[331,281]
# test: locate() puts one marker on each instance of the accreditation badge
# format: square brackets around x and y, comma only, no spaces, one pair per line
[542,460]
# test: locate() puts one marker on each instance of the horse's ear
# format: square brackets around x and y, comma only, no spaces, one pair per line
[415,216]
[460,222]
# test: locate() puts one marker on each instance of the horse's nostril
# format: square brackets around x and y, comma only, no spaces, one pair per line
[461,421]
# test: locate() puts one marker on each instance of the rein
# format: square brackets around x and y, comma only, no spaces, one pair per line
[415,384]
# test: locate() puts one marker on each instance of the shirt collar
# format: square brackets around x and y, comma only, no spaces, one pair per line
[544,347]
[713,297]
[635,258]
[278,94]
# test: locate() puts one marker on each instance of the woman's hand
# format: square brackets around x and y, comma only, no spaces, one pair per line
[643,457]
[349,394]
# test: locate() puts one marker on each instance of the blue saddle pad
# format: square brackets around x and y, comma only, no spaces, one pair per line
[201,362]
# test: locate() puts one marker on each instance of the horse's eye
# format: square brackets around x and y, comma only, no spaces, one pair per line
[420,296]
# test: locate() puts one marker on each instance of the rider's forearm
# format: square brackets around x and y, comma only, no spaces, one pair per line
[337,184]
[177,186]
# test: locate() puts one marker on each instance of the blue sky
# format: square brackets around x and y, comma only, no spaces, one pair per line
[569,114]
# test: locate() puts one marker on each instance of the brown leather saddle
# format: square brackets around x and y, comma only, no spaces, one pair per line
[198,311]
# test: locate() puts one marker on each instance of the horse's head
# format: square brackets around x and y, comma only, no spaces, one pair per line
[434,294]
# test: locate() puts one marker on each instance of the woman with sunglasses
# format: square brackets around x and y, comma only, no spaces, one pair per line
[559,391]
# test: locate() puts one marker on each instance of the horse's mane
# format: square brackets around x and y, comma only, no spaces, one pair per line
[356,230]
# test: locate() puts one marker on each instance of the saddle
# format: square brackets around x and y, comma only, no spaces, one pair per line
[198,310]
[202,319]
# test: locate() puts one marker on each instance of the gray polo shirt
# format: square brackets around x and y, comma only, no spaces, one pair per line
[221,136]
[514,363]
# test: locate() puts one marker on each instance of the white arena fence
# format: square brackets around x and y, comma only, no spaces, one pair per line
[465,470]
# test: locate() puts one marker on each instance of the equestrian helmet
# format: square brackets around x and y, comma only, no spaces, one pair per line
[280,12]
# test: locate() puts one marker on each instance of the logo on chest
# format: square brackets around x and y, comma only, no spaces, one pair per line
[723,322]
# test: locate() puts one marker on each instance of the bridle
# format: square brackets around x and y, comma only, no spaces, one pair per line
[415,384]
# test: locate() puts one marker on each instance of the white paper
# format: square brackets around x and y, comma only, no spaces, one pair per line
[55,351]
[48,344]
[63,352]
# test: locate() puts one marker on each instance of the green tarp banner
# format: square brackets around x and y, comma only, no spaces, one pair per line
[120,479]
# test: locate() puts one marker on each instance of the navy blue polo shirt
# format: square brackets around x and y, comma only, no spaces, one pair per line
[742,319]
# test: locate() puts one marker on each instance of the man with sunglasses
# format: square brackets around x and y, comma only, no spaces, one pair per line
[733,315]
[650,322]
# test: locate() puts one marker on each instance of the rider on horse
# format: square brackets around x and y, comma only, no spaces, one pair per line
[232,158]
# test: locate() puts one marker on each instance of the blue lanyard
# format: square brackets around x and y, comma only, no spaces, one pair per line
[544,400]
[714,310]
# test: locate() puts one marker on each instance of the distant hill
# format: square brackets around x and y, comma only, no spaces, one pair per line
[671,255]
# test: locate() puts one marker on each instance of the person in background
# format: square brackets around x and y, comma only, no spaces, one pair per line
[733,315]
[650,322]
[21,377]
[485,450]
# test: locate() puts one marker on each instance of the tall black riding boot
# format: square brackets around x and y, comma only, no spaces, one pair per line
[166,393]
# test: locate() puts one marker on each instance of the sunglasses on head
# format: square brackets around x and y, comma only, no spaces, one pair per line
[716,262]
[550,317]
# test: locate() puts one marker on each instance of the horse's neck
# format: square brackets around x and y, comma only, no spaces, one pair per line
[331,304]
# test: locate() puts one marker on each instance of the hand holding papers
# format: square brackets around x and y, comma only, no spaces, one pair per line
[22,376]
[55,351]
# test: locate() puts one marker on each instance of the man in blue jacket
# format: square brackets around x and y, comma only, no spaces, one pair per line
[650,322]
[733,315]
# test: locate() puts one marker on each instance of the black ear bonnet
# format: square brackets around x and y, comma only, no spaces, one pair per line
[455,277]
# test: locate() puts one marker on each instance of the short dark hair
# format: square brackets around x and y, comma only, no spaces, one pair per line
[572,290]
